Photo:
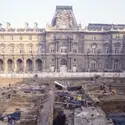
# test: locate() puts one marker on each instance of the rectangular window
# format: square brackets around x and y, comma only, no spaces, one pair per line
[107,37]
[106,50]
[116,50]
[2,37]
[20,37]
[11,37]
[93,50]
[94,37]
[30,37]
[117,36]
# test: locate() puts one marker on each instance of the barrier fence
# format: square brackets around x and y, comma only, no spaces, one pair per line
[63,75]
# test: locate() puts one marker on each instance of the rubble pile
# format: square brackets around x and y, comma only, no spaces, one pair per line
[26,97]
[77,106]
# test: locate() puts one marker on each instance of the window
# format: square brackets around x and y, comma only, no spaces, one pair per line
[106,49]
[2,37]
[94,37]
[39,38]
[107,37]
[116,64]
[74,49]
[116,50]
[63,49]
[21,37]
[2,47]
[52,48]
[40,48]
[30,37]
[11,47]
[93,64]
[30,48]
[21,48]
[93,48]
[106,64]
[117,37]
[11,37]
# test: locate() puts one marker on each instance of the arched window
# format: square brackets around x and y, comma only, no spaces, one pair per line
[1,65]
[19,65]
[93,65]
[38,65]
[63,62]
[10,64]
[116,64]
[29,65]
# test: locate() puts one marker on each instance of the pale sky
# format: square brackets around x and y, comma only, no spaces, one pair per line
[86,11]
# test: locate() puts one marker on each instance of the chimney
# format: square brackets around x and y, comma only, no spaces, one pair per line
[26,25]
[8,25]
[35,25]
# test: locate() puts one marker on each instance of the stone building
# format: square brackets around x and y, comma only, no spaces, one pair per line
[62,46]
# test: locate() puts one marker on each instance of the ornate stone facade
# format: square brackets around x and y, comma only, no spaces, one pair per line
[62,46]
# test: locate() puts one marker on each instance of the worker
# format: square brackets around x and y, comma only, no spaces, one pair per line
[110,87]
[79,98]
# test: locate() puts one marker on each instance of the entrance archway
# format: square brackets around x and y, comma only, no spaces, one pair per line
[29,65]
[10,65]
[63,65]
[1,65]
[38,65]
[19,65]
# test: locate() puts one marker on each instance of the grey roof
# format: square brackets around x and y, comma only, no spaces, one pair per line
[64,7]
[105,26]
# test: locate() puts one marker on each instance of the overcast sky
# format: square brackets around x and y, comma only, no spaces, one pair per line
[86,11]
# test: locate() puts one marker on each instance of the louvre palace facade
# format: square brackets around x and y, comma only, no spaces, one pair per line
[62,46]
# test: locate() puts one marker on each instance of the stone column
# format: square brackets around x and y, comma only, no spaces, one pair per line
[44,64]
[5,65]
[57,64]
[24,65]
[15,65]
[70,44]
[34,65]
[69,64]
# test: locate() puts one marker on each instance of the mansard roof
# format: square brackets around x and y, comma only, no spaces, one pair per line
[105,27]
[64,18]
